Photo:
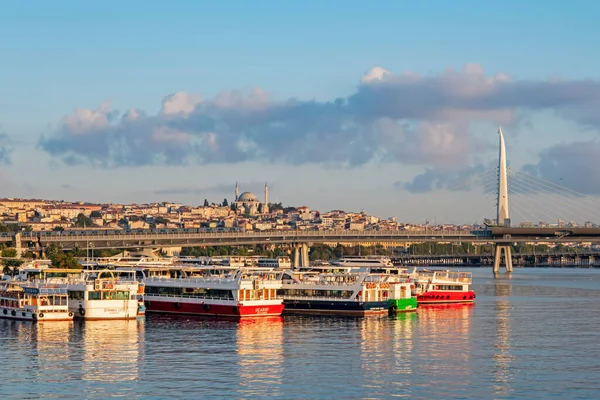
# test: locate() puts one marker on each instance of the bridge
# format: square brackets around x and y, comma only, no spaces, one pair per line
[502,235]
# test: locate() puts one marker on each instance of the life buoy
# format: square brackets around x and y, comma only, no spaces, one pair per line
[70,314]
[41,315]
[82,311]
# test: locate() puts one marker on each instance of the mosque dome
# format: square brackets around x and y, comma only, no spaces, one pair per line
[247,197]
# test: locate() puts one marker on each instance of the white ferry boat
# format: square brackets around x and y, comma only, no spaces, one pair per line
[105,294]
[31,302]
[95,294]
[213,291]
[347,293]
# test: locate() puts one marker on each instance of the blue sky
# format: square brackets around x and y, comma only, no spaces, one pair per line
[238,64]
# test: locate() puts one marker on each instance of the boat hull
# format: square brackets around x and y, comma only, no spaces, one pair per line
[403,305]
[27,315]
[328,307]
[180,306]
[445,297]
[101,310]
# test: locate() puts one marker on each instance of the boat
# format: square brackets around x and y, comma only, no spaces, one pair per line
[346,293]
[213,291]
[33,302]
[443,287]
[105,294]
[365,262]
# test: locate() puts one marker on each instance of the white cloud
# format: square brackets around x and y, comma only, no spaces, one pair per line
[181,103]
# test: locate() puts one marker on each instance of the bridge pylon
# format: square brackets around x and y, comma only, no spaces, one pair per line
[301,255]
[502,218]
[507,257]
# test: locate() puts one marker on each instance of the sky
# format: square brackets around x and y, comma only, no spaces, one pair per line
[388,107]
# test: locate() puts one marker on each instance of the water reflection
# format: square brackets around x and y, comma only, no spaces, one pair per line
[444,345]
[111,350]
[502,351]
[260,356]
[403,330]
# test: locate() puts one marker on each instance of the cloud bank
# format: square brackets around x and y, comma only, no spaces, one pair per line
[571,165]
[405,118]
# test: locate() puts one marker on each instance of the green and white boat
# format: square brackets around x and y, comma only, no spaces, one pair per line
[402,299]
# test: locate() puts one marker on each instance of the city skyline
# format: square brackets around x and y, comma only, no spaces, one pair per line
[337,109]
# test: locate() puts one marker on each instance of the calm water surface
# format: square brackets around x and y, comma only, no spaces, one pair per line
[535,335]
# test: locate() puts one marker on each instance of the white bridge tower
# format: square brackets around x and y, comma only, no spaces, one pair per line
[502,218]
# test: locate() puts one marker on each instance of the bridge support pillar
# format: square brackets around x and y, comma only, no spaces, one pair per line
[507,257]
[301,255]
[18,244]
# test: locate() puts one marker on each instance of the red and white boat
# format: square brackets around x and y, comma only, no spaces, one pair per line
[443,287]
[213,291]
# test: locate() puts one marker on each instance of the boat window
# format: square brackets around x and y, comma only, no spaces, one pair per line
[76,295]
[94,295]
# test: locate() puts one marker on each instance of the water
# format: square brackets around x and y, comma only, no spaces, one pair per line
[536,335]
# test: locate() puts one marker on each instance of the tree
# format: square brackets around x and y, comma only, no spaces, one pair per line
[9,252]
[96,214]
[225,203]
[205,202]
[65,260]
[161,220]
[27,254]
[83,222]
[58,229]
[275,206]
[11,266]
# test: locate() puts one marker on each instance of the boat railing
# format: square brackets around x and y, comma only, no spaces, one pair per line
[328,298]
[318,283]
[185,296]
[220,281]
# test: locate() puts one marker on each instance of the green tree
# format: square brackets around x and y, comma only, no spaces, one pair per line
[205,202]
[96,214]
[27,254]
[65,260]
[10,228]
[225,203]
[275,206]
[9,252]
[58,229]
[11,266]
[83,222]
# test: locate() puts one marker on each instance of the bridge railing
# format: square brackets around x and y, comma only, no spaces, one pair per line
[279,234]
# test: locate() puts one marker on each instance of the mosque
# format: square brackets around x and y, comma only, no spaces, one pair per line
[249,204]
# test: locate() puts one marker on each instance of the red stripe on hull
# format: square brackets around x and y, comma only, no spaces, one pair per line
[167,307]
[443,297]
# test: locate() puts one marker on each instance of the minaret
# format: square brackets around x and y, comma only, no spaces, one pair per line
[266,206]
[502,184]
[237,191]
